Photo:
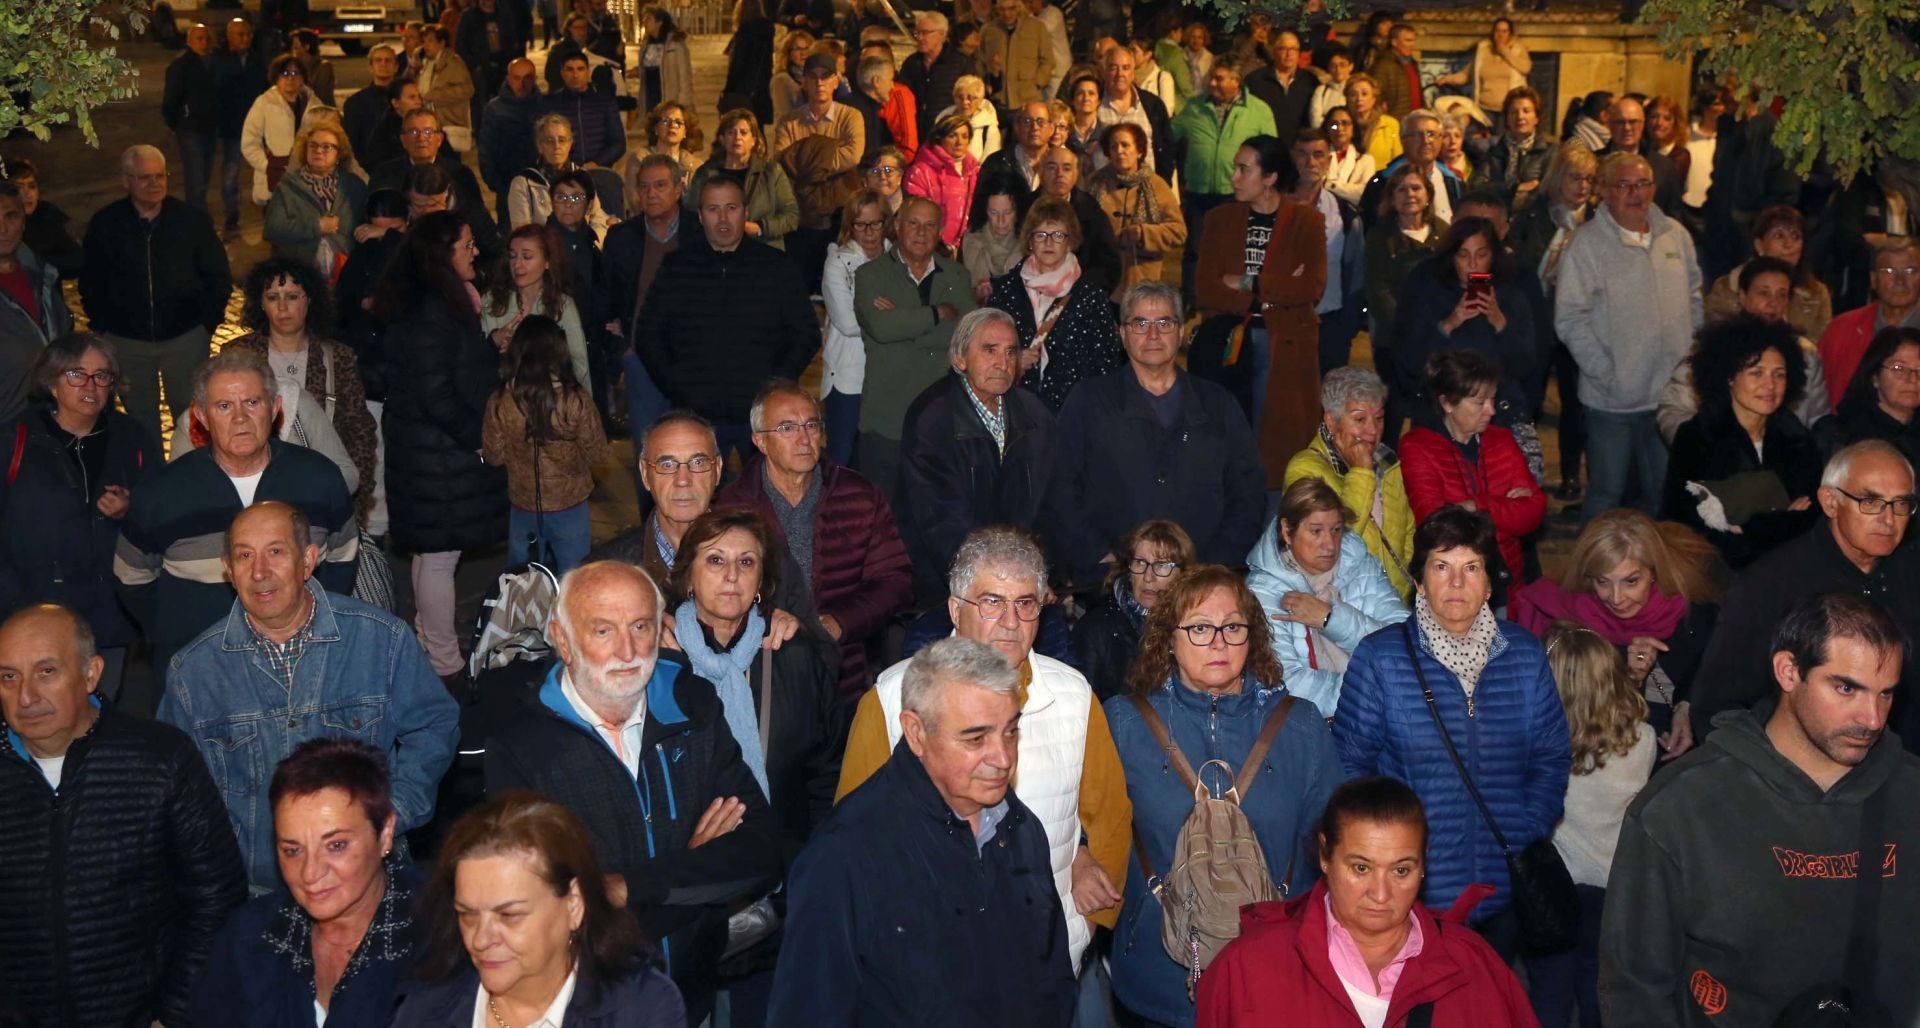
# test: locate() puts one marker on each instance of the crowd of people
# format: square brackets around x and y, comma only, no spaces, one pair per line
[1236,661]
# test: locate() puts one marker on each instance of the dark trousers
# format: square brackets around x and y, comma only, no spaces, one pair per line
[232,166]
[808,248]
[197,151]
[842,414]
[1195,207]
[1336,339]
[1561,983]
[1573,416]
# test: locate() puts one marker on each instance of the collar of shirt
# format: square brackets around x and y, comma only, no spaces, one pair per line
[996,423]
[1344,952]
[806,112]
[671,233]
[624,738]
[284,655]
[661,543]
[557,1010]
[990,818]
[933,265]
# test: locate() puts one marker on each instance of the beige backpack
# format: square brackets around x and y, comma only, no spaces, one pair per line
[1218,865]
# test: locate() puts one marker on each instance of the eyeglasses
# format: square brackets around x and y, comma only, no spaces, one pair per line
[323,147]
[421,133]
[1048,236]
[1160,568]
[569,198]
[1899,272]
[883,170]
[673,122]
[1586,180]
[1902,372]
[290,73]
[1029,120]
[79,377]
[1903,506]
[1639,185]
[867,226]
[786,429]
[1235,633]
[698,464]
[993,608]
[151,178]
[1144,325]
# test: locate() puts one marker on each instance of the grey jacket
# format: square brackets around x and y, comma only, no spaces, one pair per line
[1627,313]
[22,337]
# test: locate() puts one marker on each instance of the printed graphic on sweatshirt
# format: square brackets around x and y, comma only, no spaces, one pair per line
[1795,864]
[1708,992]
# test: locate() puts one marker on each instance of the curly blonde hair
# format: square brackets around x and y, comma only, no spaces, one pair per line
[1603,702]
[1153,664]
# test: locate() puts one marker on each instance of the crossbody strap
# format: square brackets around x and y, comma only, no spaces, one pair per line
[1241,782]
[1160,735]
[1268,732]
[766,700]
[1413,654]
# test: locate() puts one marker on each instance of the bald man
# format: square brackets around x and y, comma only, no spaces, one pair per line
[1627,123]
[292,662]
[116,841]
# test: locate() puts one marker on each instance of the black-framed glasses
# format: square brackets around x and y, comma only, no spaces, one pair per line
[1048,236]
[698,464]
[1235,633]
[993,607]
[80,376]
[868,226]
[786,429]
[1902,372]
[1160,568]
[883,170]
[1903,506]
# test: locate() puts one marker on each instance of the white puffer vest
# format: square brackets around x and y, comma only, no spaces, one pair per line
[1053,746]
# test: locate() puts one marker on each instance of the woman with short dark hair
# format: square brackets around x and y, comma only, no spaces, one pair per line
[1144,209]
[1064,318]
[1469,296]
[1883,397]
[335,943]
[1454,670]
[1107,637]
[523,925]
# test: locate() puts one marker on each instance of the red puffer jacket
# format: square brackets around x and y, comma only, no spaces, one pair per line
[1278,969]
[1438,473]
[861,573]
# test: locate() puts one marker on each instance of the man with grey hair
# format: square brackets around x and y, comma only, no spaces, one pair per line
[1071,773]
[1420,139]
[624,735]
[871,931]
[1151,441]
[156,282]
[1896,302]
[976,449]
[1350,454]
[932,69]
[169,558]
[1867,495]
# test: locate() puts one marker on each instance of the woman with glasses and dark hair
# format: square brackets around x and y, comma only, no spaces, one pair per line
[1207,679]
[1320,588]
[70,467]
[885,172]
[992,246]
[522,925]
[1453,664]
[1883,397]
[530,194]
[1107,638]
[279,115]
[1468,296]
[945,170]
[1744,470]
[1064,318]
[336,942]
[740,153]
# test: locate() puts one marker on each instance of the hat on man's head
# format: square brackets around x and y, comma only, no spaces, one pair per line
[821,63]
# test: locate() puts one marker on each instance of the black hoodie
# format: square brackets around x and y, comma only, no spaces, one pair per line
[1733,886]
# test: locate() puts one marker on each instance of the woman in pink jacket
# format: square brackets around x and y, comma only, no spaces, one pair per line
[945,172]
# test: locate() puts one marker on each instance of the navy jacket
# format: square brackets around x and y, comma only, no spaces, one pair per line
[259,973]
[598,136]
[1514,744]
[645,999]
[154,279]
[894,918]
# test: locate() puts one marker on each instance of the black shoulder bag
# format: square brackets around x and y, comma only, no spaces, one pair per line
[1543,895]
[1850,1002]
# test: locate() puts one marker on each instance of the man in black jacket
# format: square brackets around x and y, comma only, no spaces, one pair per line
[638,748]
[1851,551]
[191,108]
[488,37]
[118,863]
[928,898]
[1032,127]
[156,282]
[366,110]
[242,77]
[724,318]
[1121,100]
[976,450]
[1099,252]
[1285,85]
[425,143]
[932,70]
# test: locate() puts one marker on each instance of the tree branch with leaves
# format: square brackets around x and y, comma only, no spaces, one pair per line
[53,70]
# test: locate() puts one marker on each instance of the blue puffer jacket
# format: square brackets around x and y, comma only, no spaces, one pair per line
[1368,603]
[1515,746]
[1285,800]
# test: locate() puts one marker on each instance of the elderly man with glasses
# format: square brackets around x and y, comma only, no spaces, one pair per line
[834,523]
[1420,143]
[1070,773]
[934,66]
[1896,303]
[1867,495]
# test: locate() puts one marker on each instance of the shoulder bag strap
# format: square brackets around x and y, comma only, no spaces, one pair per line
[1160,735]
[766,700]
[1863,938]
[19,450]
[1413,654]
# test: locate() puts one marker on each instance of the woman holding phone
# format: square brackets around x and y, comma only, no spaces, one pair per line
[1468,297]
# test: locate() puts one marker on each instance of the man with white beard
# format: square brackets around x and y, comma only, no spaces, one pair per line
[637,746]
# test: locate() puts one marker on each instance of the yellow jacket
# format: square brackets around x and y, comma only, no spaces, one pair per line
[1390,543]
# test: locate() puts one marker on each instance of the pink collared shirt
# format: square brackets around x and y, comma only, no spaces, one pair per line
[1352,967]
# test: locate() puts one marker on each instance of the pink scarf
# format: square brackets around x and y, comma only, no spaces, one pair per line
[1541,602]
[1050,285]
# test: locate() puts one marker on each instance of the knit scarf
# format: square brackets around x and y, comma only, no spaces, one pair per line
[1657,619]
[1123,598]
[326,188]
[1464,655]
[728,673]
[1149,204]
[1002,252]
[1051,285]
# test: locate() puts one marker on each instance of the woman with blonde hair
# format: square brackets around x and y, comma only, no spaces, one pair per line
[317,205]
[1375,132]
[863,237]
[1108,637]
[1649,588]
[1613,747]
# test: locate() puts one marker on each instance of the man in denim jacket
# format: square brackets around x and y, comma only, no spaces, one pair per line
[293,662]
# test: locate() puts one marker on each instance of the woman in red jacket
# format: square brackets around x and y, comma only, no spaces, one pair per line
[1457,455]
[1358,951]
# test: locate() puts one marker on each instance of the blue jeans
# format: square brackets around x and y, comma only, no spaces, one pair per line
[1623,450]
[842,413]
[1259,358]
[196,166]
[567,533]
[1336,340]
[1194,206]
[1560,983]
[232,166]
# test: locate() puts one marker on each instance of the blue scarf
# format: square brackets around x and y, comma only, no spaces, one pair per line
[728,673]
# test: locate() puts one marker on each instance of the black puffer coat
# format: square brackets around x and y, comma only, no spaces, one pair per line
[1084,342]
[440,496]
[58,547]
[111,891]
[1107,642]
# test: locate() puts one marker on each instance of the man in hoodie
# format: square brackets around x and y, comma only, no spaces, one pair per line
[1741,874]
[1627,306]
[506,131]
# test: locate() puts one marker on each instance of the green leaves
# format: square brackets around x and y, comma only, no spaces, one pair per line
[56,67]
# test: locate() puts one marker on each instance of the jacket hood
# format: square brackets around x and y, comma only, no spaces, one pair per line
[663,707]
[1742,735]
[1265,558]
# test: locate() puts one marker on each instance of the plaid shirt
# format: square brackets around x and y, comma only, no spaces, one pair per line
[285,655]
[996,423]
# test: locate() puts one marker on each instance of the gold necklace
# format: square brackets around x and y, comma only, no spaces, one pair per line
[494,1009]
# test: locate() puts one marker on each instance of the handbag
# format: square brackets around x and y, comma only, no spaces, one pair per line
[1850,1002]
[1542,890]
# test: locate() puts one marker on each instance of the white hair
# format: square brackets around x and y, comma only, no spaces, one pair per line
[138,152]
[953,661]
[562,616]
[996,546]
[1840,466]
[932,19]
[971,324]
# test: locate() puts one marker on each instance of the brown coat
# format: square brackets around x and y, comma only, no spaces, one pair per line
[1290,284]
[566,463]
[1125,206]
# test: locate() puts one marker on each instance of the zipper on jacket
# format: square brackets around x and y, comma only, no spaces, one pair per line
[1213,725]
[153,317]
